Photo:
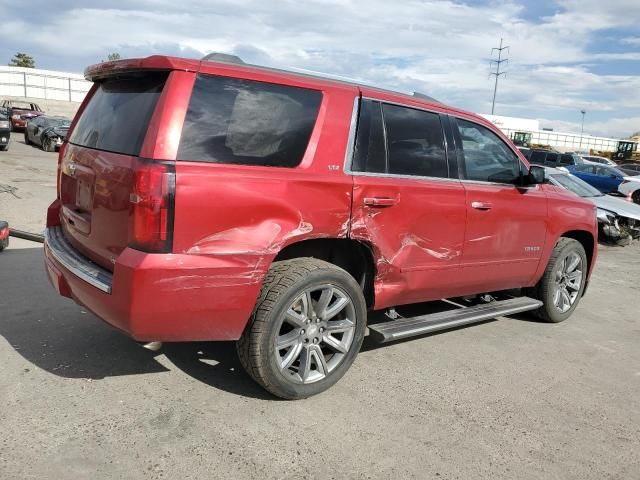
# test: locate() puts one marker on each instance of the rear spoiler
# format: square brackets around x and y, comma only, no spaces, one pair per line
[154,62]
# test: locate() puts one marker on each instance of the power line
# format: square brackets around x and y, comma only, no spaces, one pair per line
[497,73]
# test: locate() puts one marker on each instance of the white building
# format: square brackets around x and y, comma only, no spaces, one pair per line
[562,141]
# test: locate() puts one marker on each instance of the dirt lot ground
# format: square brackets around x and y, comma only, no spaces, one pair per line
[511,399]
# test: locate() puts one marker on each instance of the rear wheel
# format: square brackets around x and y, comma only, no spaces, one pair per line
[563,282]
[4,148]
[306,329]
[26,137]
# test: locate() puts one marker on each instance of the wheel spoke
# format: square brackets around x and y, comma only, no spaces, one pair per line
[305,363]
[334,343]
[335,308]
[307,304]
[288,339]
[319,360]
[323,302]
[294,318]
[566,299]
[337,326]
[556,298]
[573,261]
[574,281]
[291,356]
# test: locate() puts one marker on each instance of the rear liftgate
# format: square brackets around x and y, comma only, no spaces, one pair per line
[410,327]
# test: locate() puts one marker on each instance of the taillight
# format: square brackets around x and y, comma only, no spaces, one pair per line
[63,147]
[152,207]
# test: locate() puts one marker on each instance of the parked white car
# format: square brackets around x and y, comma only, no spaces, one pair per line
[601,160]
[618,219]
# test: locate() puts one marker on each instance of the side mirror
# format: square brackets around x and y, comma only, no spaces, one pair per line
[536,175]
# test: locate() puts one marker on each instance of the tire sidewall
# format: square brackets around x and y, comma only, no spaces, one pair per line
[554,314]
[338,278]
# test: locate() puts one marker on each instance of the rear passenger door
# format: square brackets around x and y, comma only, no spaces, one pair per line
[405,204]
[506,222]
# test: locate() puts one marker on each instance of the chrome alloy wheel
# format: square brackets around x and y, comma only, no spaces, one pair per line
[315,333]
[568,280]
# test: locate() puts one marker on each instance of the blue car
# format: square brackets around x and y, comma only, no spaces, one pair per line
[603,177]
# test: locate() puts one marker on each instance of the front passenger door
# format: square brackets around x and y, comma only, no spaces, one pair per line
[506,222]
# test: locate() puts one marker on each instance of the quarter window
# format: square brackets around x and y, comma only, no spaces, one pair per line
[245,122]
[485,156]
[370,153]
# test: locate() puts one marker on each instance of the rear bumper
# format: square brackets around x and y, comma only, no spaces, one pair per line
[164,297]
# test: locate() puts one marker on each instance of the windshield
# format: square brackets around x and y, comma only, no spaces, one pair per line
[59,122]
[577,186]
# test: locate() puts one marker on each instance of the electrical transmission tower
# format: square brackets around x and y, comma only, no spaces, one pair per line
[497,73]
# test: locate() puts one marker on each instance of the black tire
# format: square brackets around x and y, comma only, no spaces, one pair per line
[46,145]
[285,282]
[26,137]
[547,287]
[4,148]
[636,197]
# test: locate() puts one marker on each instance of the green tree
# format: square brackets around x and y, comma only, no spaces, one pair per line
[22,60]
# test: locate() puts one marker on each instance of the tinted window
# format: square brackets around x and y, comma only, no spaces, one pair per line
[486,157]
[585,168]
[566,160]
[551,159]
[415,142]
[537,157]
[230,120]
[118,114]
[370,153]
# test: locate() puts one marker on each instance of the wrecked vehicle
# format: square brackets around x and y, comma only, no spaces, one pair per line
[618,219]
[47,132]
[203,200]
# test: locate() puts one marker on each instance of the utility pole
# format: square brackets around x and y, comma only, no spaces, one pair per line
[497,73]
[582,127]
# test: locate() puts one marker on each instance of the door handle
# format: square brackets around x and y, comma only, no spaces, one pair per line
[380,202]
[481,205]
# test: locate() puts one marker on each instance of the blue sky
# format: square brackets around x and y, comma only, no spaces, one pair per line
[565,55]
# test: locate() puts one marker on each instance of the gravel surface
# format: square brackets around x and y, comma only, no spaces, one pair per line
[507,399]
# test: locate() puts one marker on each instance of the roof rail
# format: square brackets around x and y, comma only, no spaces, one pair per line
[222,57]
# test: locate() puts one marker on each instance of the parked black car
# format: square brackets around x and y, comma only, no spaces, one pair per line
[5,129]
[47,132]
[550,158]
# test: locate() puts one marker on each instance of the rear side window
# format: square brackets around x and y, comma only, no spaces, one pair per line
[537,157]
[551,159]
[117,116]
[399,140]
[370,151]
[245,122]
[415,142]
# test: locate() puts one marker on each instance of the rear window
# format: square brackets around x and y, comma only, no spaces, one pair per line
[118,114]
[245,122]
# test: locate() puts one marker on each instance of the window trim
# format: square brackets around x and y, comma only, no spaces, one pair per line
[351,143]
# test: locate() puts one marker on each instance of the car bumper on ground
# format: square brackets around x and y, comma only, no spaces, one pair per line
[157,297]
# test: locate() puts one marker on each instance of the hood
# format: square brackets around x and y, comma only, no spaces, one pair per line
[60,131]
[623,208]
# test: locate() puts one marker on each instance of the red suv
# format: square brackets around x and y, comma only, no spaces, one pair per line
[203,200]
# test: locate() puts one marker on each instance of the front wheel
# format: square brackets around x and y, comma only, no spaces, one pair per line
[563,282]
[306,329]
[46,145]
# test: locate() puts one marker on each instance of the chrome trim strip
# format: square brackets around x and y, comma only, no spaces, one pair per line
[351,140]
[73,261]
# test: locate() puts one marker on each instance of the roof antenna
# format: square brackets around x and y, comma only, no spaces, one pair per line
[222,57]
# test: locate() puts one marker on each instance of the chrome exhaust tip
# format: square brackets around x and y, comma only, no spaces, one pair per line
[153,346]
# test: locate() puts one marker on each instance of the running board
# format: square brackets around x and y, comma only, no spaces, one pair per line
[411,327]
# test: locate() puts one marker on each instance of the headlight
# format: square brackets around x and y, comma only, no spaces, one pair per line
[605,216]
[4,124]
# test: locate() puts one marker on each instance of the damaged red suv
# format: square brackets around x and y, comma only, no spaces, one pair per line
[294,214]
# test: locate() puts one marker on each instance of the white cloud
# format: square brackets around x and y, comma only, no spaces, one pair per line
[439,47]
